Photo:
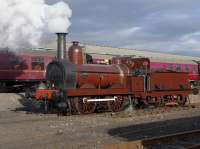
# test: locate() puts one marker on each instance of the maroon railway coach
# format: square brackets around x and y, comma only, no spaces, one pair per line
[22,70]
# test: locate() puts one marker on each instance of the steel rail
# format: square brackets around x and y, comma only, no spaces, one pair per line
[183,140]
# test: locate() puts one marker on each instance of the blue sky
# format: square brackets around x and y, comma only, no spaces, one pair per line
[171,26]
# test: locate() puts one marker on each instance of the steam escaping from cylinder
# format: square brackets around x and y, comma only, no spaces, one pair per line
[24,23]
[61,45]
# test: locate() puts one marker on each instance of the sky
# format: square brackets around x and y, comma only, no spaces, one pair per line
[169,26]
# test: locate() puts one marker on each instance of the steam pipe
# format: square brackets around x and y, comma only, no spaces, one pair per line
[61,45]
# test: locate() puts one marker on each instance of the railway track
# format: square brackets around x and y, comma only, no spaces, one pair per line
[154,111]
[183,140]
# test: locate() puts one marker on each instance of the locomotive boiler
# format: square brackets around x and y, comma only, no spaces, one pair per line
[72,85]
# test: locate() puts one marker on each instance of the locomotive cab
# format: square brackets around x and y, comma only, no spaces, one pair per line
[140,66]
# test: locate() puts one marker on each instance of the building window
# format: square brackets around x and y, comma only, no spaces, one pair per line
[37,63]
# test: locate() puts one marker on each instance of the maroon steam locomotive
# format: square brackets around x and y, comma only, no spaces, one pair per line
[77,87]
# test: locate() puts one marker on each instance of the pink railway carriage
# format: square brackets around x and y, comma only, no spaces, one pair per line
[191,68]
[23,69]
[159,65]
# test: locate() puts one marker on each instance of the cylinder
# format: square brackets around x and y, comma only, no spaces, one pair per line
[76,53]
[61,45]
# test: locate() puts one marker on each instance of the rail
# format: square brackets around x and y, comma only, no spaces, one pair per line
[183,140]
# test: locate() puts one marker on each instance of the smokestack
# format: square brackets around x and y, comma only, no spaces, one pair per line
[61,45]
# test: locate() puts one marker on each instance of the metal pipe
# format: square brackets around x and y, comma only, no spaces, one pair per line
[99,99]
[61,45]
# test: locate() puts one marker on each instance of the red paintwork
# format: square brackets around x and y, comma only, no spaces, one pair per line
[168,81]
[40,94]
[100,80]
[138,85]
[101,75]
[18,67]
[160,81]
[194,77]
[76,54]
[107,76]
[44,93]
[98,68]
[164,66]
[161,94]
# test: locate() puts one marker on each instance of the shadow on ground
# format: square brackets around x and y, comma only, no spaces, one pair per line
[155,129]
[28,105]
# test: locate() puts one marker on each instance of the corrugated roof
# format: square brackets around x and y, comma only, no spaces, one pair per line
[108,52]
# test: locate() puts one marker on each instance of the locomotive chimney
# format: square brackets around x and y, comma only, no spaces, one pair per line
[61,45]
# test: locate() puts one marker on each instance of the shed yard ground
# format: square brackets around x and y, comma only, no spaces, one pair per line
[22,130]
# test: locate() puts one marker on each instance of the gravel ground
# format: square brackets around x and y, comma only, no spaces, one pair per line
[20,129]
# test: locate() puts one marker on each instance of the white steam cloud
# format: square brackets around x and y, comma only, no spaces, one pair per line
[24,22]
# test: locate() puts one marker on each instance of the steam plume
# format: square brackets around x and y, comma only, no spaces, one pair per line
[24,22]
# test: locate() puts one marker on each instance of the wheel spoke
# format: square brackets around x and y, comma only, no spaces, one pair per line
[84,107]
[117,105]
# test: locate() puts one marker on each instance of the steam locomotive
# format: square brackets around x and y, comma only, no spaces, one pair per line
[74,86]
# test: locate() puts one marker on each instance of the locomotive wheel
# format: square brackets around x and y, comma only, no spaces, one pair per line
[195,91]
[117,105]
[27,93]
[181,100]
[84,107]
[160,102]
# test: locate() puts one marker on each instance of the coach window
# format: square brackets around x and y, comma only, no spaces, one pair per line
[187,69]
[37,63]
[170,67]
[178,68]
[16,64]
[194,68]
